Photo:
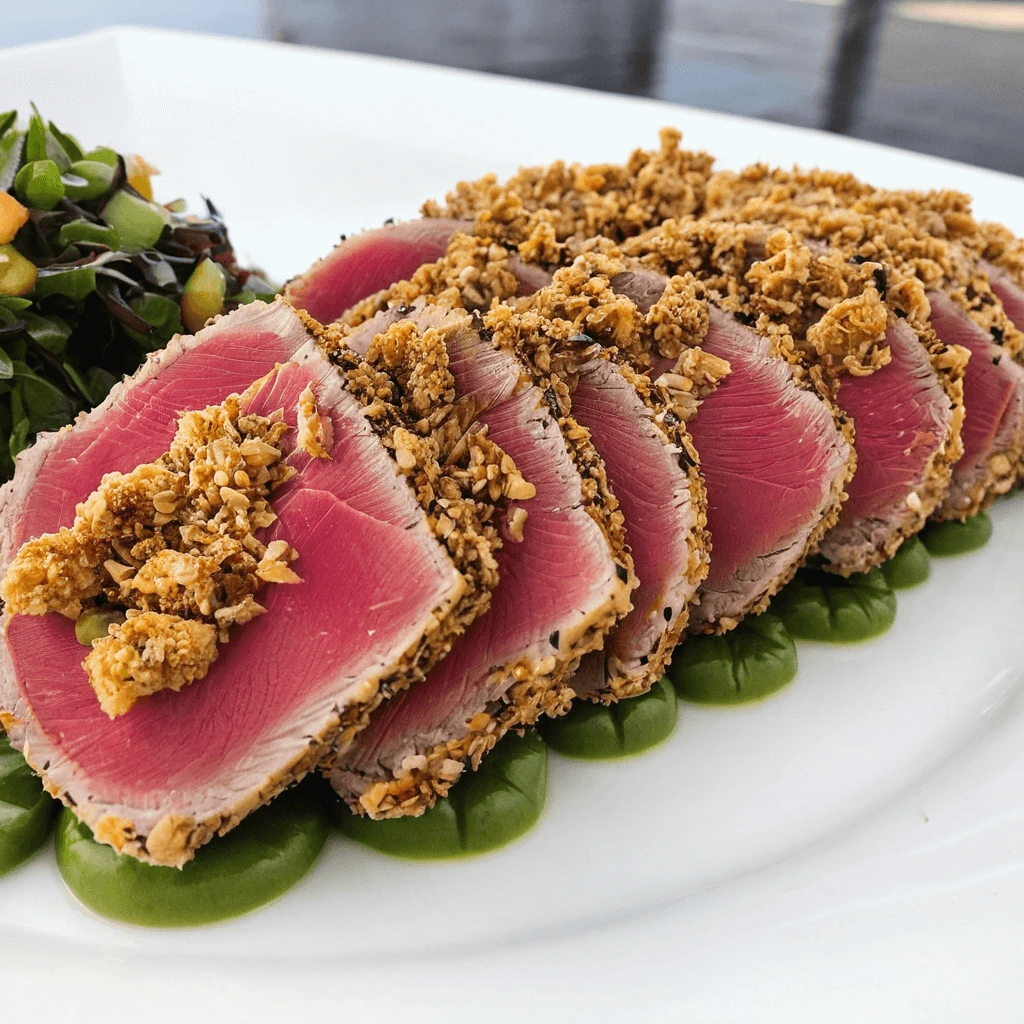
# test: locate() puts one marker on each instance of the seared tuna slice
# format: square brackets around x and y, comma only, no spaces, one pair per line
[561,589]
[774,464]
[378,603]
[356,277]
[367,263]
[993,430]
[1009,291]
[903,417]
[651,467]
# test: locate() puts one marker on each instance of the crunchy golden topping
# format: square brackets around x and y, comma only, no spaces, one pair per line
[57,572]
[852,334]
[314,435]
[174,544]
[149,652]
[1003,248]
[784,288]
[679,319]
[473,273]
[931,236]
[600,199]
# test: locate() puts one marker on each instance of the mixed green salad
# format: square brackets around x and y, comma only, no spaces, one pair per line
[94,274]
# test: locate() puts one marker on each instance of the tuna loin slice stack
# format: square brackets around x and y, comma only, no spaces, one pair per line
[902,417]
[560,589]
[655,492]
[179,767]
[993,430]
[774,465]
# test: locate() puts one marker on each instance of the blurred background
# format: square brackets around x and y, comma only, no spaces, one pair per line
[944,77]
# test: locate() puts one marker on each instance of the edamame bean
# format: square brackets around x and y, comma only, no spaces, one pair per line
[38,185]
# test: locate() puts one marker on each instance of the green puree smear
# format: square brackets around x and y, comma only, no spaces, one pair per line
[909,567]
[235,873]
[945,539]
[488,808]
[818,605]
[26,810]
[598,732]
[751,661]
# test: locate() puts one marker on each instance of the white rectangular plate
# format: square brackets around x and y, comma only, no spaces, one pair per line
[850,850]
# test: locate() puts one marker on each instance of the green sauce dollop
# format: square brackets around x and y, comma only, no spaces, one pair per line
[26,809]
[485,809]
[909,566]
[254,863]
[818,605]
[945,539]
[751,661]
[597,732]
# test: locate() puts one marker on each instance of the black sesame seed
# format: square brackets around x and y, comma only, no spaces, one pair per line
[644,659]
[553,402]
[620,571]
[881,281]
[553,639]
[997,359]
[671,419]
[668,614]
[403,309]
[858,259]
[686,461]
[997,334]
[390,220]
[582,339]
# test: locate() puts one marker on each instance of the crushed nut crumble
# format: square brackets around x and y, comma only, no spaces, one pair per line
[172,543]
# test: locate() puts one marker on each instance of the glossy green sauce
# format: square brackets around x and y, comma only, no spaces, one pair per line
[26,810]
[818,605]
[749,662]
[253,864]
[596,732]
[488,808]
[946,539]
[909,567]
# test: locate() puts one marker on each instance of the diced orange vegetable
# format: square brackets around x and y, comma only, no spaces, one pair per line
[12,216]
[17,274]
[139,172]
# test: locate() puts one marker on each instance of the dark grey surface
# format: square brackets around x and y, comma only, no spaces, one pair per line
[598,44]
[937,88]
[948,91]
